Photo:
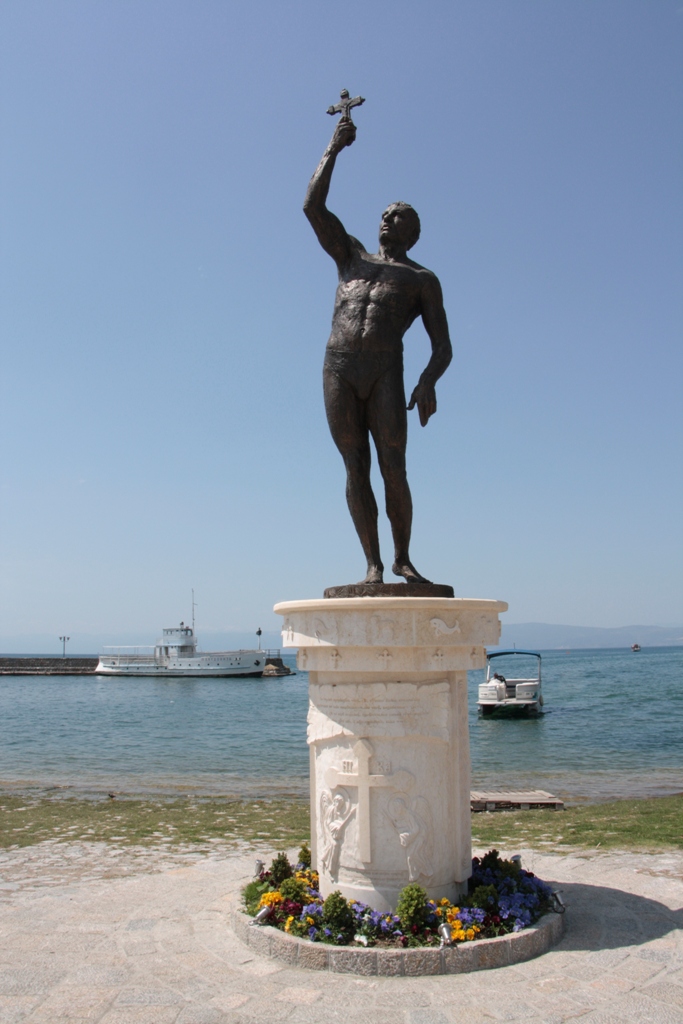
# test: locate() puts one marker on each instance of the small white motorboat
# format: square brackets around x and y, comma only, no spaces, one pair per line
[519,690]
[176,654]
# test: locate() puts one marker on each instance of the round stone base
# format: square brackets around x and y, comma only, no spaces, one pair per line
[479,955]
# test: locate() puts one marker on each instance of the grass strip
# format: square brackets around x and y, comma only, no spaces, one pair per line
[624,824]
[24,822]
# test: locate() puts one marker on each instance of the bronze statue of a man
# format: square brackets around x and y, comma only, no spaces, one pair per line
[378,298]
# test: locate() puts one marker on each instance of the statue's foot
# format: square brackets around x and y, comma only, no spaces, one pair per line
[375,575]
[408,571]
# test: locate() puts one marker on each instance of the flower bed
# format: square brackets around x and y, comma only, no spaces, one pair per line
[502,898]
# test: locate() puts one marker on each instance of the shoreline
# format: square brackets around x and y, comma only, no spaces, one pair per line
[575,788]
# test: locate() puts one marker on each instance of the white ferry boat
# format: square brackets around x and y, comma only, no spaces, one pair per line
[175,654]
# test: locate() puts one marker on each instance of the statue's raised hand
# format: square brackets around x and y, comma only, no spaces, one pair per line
[424,397]
[344,135]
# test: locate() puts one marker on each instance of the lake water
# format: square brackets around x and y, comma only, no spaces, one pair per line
[612,727]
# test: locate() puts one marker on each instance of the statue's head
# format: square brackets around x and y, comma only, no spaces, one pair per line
[400,225]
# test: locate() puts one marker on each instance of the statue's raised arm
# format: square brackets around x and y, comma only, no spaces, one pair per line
[329,229]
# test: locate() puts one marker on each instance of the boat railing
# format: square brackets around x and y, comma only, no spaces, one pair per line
[127,659]
[266,652]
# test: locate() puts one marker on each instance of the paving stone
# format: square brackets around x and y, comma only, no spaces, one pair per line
[66,933]
[28,981]
[428,1016]
[14,1009]
[300,996]
[666,991]
[141,1015]
[74,1003]
[201,1015]
[148,997]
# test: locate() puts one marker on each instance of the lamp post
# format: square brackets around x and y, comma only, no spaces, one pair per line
[258,634]
[64,640]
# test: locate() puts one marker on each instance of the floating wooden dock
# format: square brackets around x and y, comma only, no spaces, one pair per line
[523,800]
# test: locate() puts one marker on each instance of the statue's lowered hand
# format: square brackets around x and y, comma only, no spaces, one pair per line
[424,397]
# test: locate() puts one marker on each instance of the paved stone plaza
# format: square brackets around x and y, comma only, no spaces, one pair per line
[125,936]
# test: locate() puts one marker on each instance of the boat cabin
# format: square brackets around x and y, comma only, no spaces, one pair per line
[176,642]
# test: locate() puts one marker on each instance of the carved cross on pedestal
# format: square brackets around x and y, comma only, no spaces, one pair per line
[363,781]
[345,104]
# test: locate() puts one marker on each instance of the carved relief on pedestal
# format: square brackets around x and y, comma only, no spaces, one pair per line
[323,630]
[381,630]
[335,812]
[363,781]
[439,627]
[412,820]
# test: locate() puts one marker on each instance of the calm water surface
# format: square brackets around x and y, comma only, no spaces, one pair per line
[613,726]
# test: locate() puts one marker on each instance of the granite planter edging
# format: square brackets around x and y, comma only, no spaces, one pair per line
[479,955]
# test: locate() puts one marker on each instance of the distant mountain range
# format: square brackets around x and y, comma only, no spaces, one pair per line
[529,635]
[545,636]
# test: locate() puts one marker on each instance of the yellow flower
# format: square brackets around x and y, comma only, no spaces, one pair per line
[288,922]
[270,899]
[444,901]
[310,920]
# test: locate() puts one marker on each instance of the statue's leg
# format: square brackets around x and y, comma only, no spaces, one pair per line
[388,423]
[349,429]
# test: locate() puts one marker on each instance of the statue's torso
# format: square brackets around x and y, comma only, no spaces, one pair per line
[376,302]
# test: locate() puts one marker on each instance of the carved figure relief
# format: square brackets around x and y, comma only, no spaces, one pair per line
[385,657]
[381,630]
[335,812]
[439,627]
[321,630]
[413,823]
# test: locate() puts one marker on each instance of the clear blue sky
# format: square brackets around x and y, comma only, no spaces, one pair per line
[165,305]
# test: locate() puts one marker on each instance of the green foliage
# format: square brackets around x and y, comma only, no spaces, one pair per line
[280,869]
[293,889]
[485,897]
[305,856]
[251,894]
[412,907]
[337,916]
[490,861]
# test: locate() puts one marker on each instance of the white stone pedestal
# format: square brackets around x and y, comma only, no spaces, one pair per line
[388,738]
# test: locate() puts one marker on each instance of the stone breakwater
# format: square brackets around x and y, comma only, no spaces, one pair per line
[28,666]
